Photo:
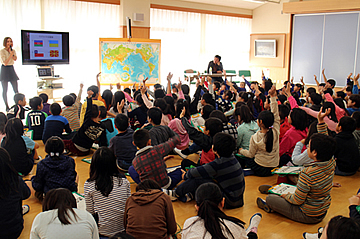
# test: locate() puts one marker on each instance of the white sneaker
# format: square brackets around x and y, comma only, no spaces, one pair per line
[310,235]
[178,151]
[170,193]
[25,209]
[254,223]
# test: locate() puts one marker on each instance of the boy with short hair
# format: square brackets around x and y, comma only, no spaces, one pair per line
[159,133]
[108,124]
[347,152]
[35,119]
[71,110]
[17,110]
[225,171]
[203,140]
[55,124]
[149,160]
[46,105]
[122,144]
[89,131]
[311,200]
[353,103]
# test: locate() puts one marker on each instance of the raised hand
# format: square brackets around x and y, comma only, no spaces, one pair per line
[292,80]
[183,112]
[120,106]
[144,81]
[90,93]
[143,90]
[349,76]
[178,86]
[118,86]
[321,115]
[169,76]
[98,75]
[302,80]
[81,85]
[287,91]
[272,91]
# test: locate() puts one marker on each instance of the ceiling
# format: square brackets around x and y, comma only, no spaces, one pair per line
[245,4]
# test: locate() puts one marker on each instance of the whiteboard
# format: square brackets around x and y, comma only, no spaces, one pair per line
[330,41]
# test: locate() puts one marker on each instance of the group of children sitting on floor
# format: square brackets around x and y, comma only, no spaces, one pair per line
[265,128]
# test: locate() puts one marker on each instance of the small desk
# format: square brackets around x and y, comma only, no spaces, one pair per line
[213,75]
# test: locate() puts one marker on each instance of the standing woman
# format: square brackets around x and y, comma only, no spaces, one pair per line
[7,73]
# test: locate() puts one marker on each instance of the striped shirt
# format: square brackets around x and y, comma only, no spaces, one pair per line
[313,188]
[109,209]
[228,174]
[71,113]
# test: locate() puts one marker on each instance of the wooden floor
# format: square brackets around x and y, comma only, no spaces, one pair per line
[272,226]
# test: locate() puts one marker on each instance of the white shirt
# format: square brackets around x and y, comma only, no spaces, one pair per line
[197,230]
[47,225]
[4,55]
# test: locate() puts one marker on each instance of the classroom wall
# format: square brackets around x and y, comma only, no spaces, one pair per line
[269,18]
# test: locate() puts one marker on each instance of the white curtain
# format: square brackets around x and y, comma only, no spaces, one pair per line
[86,23]
[191,40]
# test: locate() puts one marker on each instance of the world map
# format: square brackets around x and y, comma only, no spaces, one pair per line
[129,62]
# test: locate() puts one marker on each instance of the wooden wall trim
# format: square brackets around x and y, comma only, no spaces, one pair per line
[321,6]
[183,9]
[114,2]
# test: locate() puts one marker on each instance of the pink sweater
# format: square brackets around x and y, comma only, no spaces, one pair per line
[291,137]
[338,111]
[178,128]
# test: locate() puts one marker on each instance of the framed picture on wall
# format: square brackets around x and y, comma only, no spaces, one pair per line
[265,48]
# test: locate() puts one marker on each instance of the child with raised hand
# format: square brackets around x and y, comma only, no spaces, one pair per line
[122,144]
[56,170]
[71,110]
[263,153]
[17,110]
[212,222]
[156,212]
[89,131]
[225,170]
[35,119]
[14,142]
[3,121]
[106,192]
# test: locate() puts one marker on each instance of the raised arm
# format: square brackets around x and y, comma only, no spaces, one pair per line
[323,74]
[168,91]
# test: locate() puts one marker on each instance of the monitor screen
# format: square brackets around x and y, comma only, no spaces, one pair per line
[44,47]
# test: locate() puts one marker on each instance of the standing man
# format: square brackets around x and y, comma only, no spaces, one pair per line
[216,67]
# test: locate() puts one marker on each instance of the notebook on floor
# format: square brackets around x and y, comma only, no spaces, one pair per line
[288,170]
[282,188]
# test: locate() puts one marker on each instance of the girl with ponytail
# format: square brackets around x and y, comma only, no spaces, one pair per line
[263,153]
[212,222]
[55,171]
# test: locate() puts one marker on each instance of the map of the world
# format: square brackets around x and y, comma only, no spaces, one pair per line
[129,62]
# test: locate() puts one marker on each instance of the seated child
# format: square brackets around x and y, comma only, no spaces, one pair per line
[149,160]
[13,190]
[263,153]
[71,110]
[347,151]
[297,132]
[46,105]
[159,133]
[63,219]
[55,171]
[108,124]
[353,103]
[3,121]
[95,101]
[315,101]
[284,112]
[225,171]
[156,213]
[203,140]
[227,127]
[311,200]
[205,114]
[17,110]
[122,144]
[35,119]
[106,192]
[55,124]
[224,101]
[212,222]
[14,143]
[89,131]
[176,125]
[247,126]
[356,133]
